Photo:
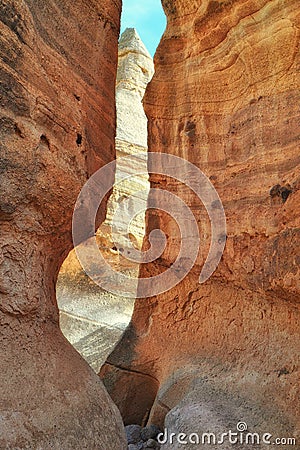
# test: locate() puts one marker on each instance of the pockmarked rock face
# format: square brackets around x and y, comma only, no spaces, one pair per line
[58,66]
[135,70]
[225,96]
[91,318]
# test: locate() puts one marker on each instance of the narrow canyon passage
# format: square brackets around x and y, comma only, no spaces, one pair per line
[197,358]
[92,318]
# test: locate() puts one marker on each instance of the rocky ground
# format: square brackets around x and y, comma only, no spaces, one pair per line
[139,438]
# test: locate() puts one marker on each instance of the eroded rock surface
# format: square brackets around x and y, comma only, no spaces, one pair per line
[225,96]
[58,66]
[92,318]
[135,70]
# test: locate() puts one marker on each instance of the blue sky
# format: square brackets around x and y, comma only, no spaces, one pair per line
[147,18]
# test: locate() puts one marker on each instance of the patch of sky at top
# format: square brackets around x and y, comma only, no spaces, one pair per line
[148,18]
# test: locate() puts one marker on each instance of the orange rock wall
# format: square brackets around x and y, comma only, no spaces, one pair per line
[225,96]
[58,68]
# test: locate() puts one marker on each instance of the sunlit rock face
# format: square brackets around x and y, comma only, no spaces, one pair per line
[92,318]
[52,97]
[225,96]
[135,70]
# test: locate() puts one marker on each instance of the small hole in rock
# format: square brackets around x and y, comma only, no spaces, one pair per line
[281,191]
[79,139]
[44,141]
[275,191]
[285,192]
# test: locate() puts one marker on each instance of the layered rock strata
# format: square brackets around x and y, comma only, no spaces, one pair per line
[92,318]
[135,70]
[225,96]
[58,66]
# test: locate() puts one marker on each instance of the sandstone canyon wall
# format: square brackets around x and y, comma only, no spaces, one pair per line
[91,318]
[58,66]
[225,96]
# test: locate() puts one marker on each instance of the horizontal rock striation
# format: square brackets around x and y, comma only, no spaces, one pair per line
[135,70]
[93,319]
[225,96]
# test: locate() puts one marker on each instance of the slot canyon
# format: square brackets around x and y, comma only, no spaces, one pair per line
[195,358]
[91,318]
